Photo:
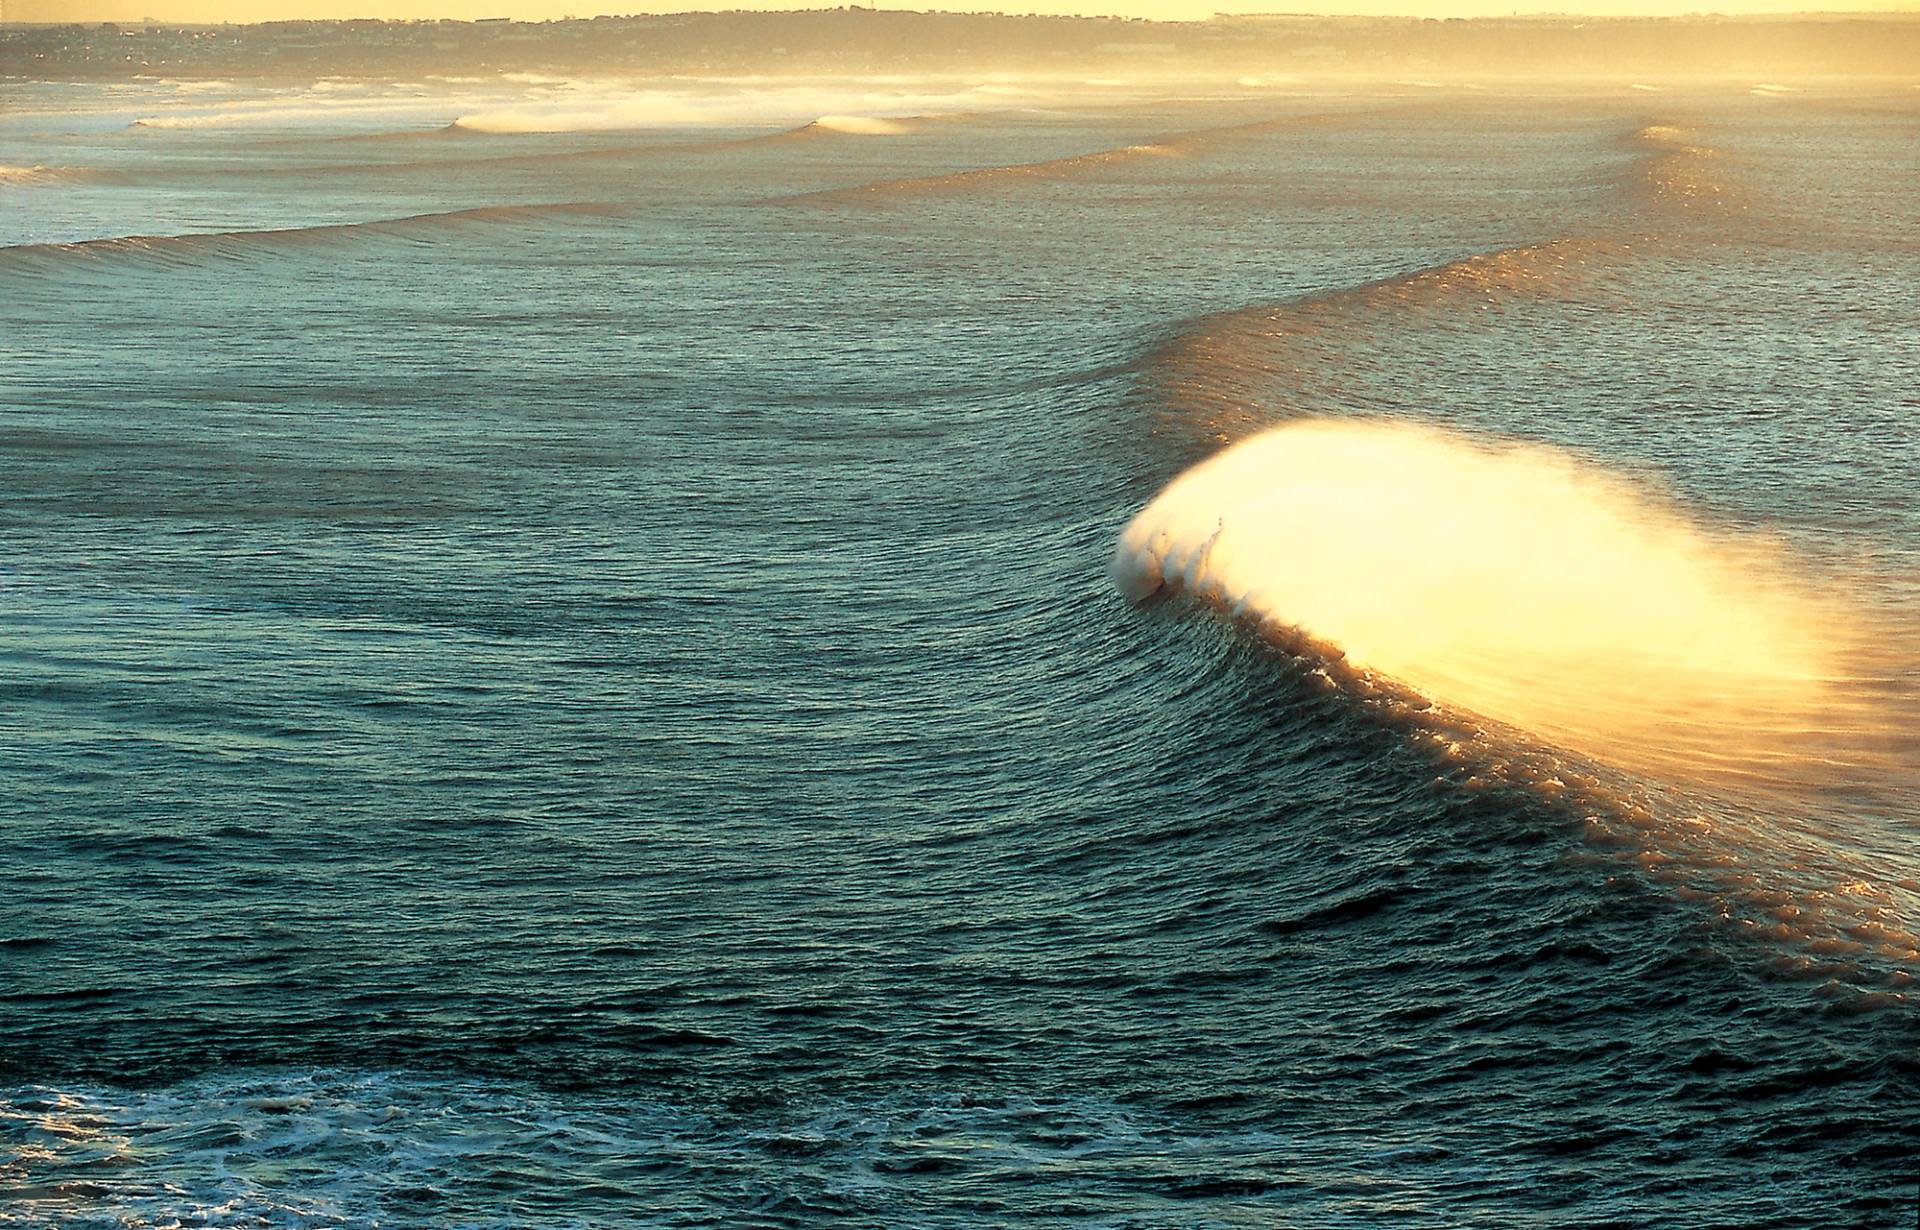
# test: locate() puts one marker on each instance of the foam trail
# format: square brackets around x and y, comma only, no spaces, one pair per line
[1514,583]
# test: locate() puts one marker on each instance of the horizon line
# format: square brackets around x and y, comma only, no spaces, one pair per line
[1905,10]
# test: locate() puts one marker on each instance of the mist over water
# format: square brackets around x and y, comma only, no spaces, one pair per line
[951,652]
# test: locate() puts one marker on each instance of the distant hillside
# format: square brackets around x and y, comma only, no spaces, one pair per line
[867,40]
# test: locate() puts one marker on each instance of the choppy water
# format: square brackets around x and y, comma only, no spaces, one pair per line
[572,678]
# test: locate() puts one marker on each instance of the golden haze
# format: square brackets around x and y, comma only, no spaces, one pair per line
[1161,10]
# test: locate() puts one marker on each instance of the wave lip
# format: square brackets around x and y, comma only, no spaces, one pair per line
[1514,583]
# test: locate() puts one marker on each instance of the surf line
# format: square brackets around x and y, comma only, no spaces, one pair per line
[1183,144]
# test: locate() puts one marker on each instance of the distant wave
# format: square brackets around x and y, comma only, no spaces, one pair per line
[632,111]
[1216,378]
[11,176]
[1216,374]
[627,118]
[824,127]
[252,114]
[1176,145]
[194,248]
[1676,170]
[860,125]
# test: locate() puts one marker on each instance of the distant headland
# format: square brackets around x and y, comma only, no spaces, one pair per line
[860,40]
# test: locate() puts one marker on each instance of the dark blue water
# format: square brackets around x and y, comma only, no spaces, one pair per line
[618,714]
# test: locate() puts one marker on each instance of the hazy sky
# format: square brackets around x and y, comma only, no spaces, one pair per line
[268,10]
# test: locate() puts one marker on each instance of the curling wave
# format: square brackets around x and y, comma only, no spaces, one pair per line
[1727,716]
[1513,582]
[1549,626]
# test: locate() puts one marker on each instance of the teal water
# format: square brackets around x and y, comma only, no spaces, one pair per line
[571,678]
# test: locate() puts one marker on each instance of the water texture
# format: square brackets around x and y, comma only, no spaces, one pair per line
[578,659]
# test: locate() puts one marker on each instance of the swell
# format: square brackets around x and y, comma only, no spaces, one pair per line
[44,176]
[199,248]
[1234,372]
[1781,799]
[1677,172]
[1175,145]
[824,129]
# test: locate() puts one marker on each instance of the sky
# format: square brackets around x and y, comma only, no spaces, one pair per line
[269,10]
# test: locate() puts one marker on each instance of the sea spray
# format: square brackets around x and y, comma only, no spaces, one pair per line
[1513,582]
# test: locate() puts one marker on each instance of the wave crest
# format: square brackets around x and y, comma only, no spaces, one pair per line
[1512,582]
[1176,145]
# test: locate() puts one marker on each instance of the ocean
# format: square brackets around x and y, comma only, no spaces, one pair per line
[581,656]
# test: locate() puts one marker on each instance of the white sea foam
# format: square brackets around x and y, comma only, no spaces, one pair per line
[359,1150]
[1512,582]
[862,125]
[605,109]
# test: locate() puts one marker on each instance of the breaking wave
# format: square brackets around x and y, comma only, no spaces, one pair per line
[1177,145]
[826,127]
[1515,583]
[628,111]
[1719,709]
[1706,703]
[860,126]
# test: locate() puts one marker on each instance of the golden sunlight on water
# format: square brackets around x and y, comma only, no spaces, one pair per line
[1514,582]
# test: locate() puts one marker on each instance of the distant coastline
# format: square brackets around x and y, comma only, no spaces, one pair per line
[857,40]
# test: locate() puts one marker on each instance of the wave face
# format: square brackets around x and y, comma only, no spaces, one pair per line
[617,714]
[1514,583]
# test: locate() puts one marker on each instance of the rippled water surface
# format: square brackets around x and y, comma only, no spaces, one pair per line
[563,678]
